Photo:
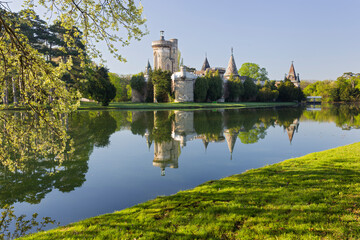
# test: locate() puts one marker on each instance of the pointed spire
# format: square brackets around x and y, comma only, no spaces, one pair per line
[290,131]
[231,69]
[206,143]
[148,141]
[148,65]
[292,75]
[231,136]
[206,64]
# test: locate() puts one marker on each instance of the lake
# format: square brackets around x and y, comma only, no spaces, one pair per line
[122,158]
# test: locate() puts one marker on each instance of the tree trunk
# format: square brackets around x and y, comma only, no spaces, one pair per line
[6,92]
[14,91]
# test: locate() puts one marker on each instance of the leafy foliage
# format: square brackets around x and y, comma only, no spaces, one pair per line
[253,70]
[162,84]
[22,226]
[289,92]
[100,88]
[346,88]
[200,89]
[215,84]
[121,83]
[235,88]
[137,82]
[250,89]
[150,88]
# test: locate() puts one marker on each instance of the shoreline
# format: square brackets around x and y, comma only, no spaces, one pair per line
[314,196]
[190,106]
[172,106]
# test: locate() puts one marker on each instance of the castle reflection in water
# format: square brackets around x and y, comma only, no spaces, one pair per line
[173,129]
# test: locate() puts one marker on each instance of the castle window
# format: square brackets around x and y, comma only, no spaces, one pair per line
[168,67]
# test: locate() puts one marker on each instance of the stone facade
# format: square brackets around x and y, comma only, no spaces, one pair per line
[165,54]
[183,85]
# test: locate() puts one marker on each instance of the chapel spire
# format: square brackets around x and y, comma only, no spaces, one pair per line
[206,64]
[231,69]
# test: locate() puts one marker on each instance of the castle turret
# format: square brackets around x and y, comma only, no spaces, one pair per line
[165,54]
[295,79]
[206,65]
[147,71]
[231,136]
[231,69]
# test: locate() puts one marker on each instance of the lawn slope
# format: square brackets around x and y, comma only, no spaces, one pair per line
[312,197]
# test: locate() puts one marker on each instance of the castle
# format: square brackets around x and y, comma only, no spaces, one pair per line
[165,53]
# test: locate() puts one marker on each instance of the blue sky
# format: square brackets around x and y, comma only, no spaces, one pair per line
[320,36]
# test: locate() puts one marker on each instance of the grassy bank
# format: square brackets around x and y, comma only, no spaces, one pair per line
[152,106]
[312,197]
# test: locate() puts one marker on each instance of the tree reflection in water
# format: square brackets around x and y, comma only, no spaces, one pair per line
[36,161]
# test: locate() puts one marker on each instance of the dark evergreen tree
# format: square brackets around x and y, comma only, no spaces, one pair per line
[250,89]
[99,87]
[200,89]
[215,84]
[235,89]
[162,85]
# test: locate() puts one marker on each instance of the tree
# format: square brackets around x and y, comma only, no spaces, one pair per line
[150,88]
[100,88]
[215,84]
[120,82]
[235,88]
[289,92]
[162,85]
[137,82]
[200,89]
[253,71]
[94,20]
[250,89]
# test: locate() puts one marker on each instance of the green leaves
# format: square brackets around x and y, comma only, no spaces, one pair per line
[99,21]
[254,71]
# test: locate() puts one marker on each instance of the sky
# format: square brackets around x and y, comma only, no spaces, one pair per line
[320,36]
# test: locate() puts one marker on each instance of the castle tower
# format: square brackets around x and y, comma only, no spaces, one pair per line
[166,154]
[295,79]
[231,69]
[165,54]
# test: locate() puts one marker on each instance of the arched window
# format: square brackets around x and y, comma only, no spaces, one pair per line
[167,67]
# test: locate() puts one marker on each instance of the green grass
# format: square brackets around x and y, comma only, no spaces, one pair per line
[143,106]
[312,197]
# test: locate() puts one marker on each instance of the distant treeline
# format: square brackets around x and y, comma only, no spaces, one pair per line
[210,88]
[345,89]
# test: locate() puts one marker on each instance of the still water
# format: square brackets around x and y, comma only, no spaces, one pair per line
[122,158]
